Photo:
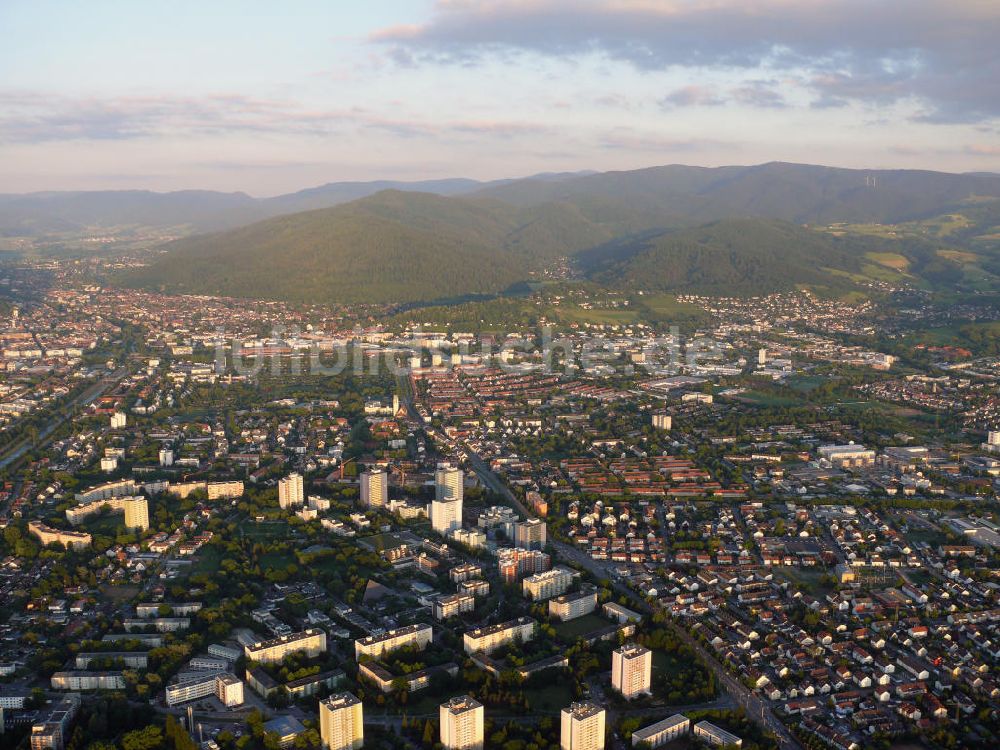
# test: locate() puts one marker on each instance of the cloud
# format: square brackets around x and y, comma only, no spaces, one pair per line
[980,149]
[940,54]
[629,140]
[692,96]
[28,117]
[763,94]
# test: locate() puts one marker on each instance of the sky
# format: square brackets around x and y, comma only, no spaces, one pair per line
[270,97]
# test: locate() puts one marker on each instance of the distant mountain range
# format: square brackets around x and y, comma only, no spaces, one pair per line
[667,228]
[39,214]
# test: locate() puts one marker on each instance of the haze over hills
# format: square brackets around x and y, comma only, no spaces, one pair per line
[666,228]
[35,214]
[657,196]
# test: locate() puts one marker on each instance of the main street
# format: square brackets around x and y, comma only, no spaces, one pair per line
[756,709]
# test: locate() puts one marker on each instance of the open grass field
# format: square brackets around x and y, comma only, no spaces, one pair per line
[573,629]
[265,530]
[890,260]
[809,580]
[549,699]
[760,398]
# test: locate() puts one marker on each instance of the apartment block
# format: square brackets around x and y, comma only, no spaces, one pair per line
[582,727]
[290,491]
[632,670]
[375,646]
[492,637]
[662,732]
[548,584]
[341,722]
[462,724]
[312,641]
[571,606]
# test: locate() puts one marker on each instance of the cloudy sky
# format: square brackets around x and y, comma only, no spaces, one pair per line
[268,97]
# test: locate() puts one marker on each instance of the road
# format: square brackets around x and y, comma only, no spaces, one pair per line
[15,452]
[756,709]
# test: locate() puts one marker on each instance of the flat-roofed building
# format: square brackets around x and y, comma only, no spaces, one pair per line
[662,732]
[311,641]
[713,735]
[631,670]
[530,534]
[69,539]
[178,609]
[224,490]
[492,637]
[228,688]
[462,724]
[453,604]
[224,652]
[619,613]
[82,680]
[290,491]
[136,513]
[417,635]
[847,456]
[49,732]
[582,727]
[374,489]
[386,680]
[475,587]
[571,606]
[131,659]
[160,624]
[341,722]
[548,584]
[449,492]
[465,572]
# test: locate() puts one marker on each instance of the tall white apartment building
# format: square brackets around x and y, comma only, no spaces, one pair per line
[462,724]
[374,489]
[136,513]
[290,492]
[992,444]
[631,670]
[530,534]
[571,606]
[548,584]
[582,727]
[341,722]
[166,457]
[449,491]
[118,420]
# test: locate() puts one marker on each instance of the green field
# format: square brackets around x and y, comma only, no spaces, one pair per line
[809,580]
[573,629]
[549,699]
[759,398]
[266,530]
